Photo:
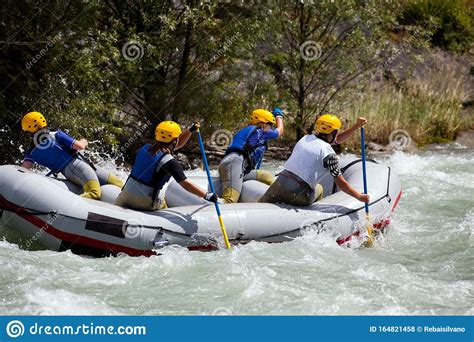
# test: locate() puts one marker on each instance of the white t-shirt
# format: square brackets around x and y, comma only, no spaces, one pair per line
[307,159]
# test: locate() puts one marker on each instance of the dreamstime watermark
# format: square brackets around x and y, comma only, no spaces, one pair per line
[222,50]
[399,140]
[221,138]
[43,139]
[253,29]
[328,225]
[42,52]
[206,6]
[132,229]
[222,312]
[310,50]
[15,329]
[399,51]
[52,217]
[132,50]
[43,312]
[139,133]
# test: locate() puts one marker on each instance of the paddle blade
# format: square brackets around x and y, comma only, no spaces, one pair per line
[370,233]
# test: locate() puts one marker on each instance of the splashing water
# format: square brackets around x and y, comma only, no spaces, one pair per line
[423,266]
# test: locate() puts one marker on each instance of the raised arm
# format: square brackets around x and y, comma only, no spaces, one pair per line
[184,137]
[280,126]
[343,136]
[278,113]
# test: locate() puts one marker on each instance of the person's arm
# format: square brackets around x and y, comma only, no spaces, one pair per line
[184,137]
[278,113]
[280,126]
[174,168]
[80,145]
[344,186]
[192,188]
[343,136]
[66,140]
[331,162]
[27,164]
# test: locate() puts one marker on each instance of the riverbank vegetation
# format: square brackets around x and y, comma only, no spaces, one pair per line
[111,70]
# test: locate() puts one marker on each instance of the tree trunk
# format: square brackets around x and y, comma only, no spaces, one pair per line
[300,121]
[183,70]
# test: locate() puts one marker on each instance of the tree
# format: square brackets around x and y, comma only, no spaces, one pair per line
[319,50]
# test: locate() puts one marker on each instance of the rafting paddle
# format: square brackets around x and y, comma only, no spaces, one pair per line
[211,185]
[369,228]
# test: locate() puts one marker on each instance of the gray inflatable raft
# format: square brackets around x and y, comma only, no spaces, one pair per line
[49,211]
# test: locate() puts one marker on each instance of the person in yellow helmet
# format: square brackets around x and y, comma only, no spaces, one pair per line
[59,152]
[153,168]
[312,159]
[244,156]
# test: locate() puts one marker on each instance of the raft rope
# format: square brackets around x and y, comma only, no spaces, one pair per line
[55,213]
[344,169]
[386,196]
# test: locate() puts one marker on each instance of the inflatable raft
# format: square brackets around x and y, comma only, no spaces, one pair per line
[49,211]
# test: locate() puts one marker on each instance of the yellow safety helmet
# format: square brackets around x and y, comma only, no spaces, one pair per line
[33,122]
[262,115]
[167,131]
[327,123]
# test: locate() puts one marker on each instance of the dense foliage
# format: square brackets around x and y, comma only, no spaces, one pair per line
[110,70]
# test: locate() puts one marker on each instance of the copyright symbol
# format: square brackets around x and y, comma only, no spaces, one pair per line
[419,329]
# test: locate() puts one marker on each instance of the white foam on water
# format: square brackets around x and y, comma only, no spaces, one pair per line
[44,302]
[423,266]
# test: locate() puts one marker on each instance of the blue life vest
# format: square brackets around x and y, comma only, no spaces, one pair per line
[258,155]
[252,154]
[144,170]
[52,155]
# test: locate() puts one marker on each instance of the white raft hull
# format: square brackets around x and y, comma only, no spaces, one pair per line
[50,212]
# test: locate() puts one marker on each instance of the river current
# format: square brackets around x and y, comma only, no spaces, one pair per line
[423,265]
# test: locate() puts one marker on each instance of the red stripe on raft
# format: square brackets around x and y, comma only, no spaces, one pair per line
[73,238]
[377,226]
[114,248]
[397,200]
[344,240]
[381,224]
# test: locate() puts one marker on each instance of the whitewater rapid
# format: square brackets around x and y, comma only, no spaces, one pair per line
[423,265]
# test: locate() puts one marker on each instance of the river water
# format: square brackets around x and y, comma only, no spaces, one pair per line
[424,265]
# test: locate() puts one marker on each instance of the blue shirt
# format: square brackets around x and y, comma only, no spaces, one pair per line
[61,138]
[259,137]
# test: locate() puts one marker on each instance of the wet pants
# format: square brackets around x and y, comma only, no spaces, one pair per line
[290,189]
[231,172]
[81,173]
[138,196]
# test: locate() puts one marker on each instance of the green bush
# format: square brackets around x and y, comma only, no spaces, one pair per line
[450,21]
